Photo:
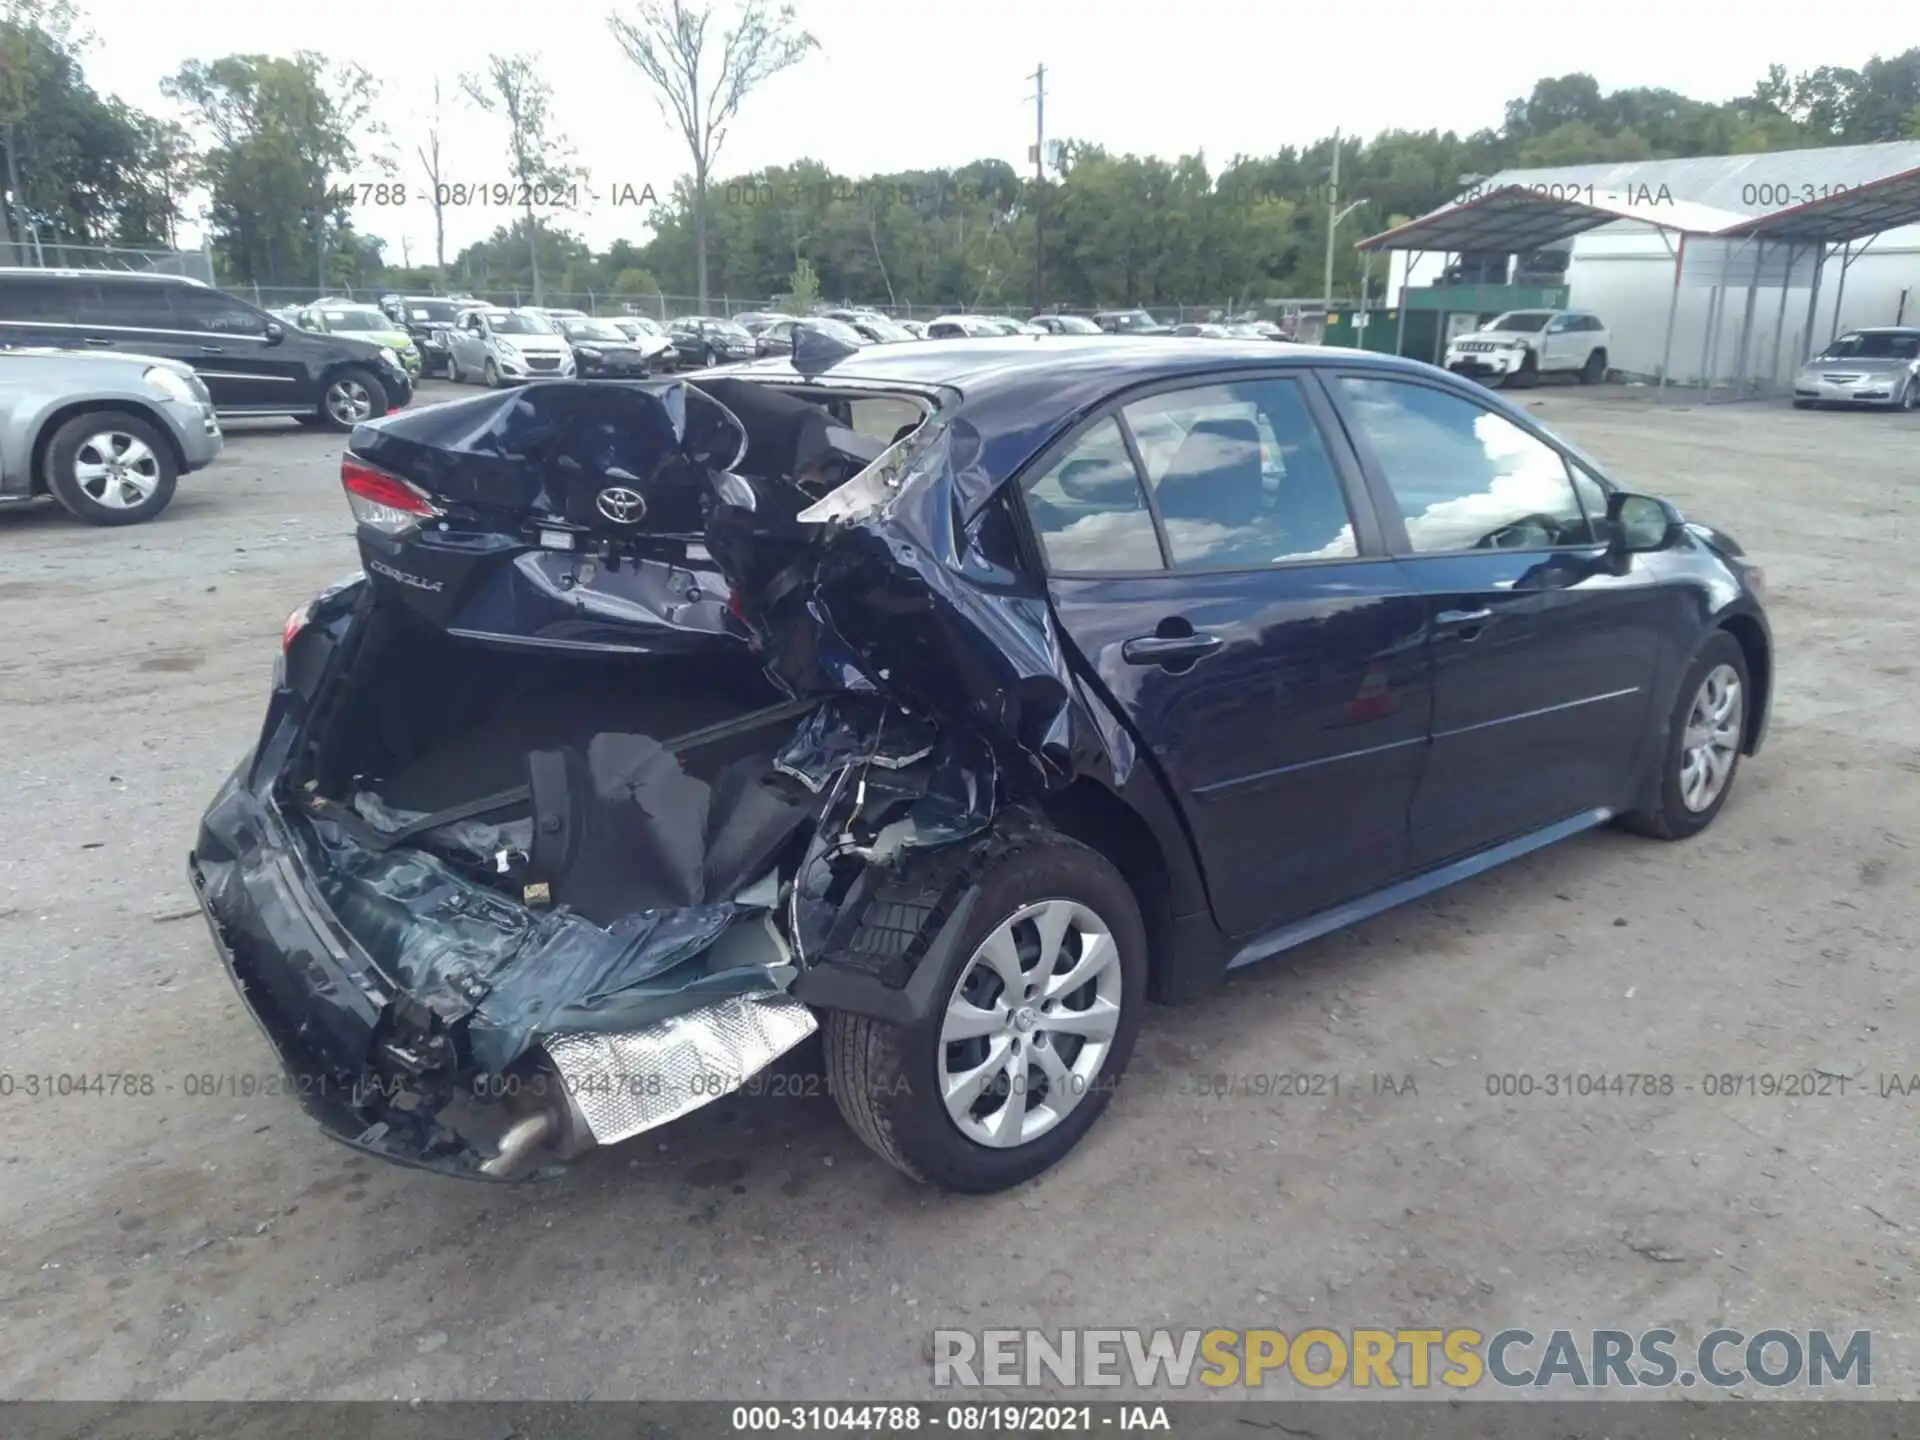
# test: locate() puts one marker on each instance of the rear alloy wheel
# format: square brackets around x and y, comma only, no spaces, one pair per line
[110,469]
[352,398]
[1040,1002]
[1704,740]
[1595,370]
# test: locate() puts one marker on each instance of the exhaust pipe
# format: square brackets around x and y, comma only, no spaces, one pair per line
[523,1140]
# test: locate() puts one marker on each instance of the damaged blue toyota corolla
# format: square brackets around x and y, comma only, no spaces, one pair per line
[954,698]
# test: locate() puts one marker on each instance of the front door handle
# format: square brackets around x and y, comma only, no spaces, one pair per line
[98,342]
[1467,624]
[213,349]
[1169,649]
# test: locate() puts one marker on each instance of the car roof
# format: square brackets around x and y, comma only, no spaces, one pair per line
[1017,390]
[145,277]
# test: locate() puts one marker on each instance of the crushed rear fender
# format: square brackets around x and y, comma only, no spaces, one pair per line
[883,591]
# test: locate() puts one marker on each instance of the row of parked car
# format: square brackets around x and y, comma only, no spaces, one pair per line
[466,339]
[118,382]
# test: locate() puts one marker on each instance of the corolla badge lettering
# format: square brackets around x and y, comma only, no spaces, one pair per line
[418,582]
[621,505]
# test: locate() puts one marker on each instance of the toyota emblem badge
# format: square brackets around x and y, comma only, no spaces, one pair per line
[621,505]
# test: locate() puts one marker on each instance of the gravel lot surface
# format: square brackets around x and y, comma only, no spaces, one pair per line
[190,1247]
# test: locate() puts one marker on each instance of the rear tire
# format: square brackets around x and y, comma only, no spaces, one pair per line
[892,1082]
[351,398]
[1701,731]
[110,468]
[1595,370]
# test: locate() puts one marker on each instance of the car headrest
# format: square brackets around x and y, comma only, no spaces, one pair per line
[1215,475]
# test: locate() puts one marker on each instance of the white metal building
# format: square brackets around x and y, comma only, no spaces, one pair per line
[1626,271]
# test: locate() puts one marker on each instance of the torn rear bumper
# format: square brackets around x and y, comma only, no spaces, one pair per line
[332,1020]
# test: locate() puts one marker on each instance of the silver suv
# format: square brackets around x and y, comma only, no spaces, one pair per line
[107,435]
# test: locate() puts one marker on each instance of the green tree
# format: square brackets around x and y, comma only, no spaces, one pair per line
[540,157]
[81,168]
[284,132]
[635,281]
[700,92]
[803,288]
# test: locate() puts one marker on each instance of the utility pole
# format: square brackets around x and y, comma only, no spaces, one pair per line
[1333,211]
[1039,78]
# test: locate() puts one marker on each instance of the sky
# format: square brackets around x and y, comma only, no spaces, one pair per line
[916,84]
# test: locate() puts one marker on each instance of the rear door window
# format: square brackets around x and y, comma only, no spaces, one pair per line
[214,313]
[1242,476]
[127,304]
[1089,510]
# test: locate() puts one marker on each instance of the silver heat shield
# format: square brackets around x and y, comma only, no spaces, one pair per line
[624,1084]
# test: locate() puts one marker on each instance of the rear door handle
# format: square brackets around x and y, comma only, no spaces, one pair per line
[1169,649]
[97,342]
[213,349]
[1454,618]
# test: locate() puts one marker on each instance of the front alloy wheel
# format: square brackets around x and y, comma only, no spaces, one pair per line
[1704,737]
[349,402]
[1030,1023]
[1712,738]
[110,469]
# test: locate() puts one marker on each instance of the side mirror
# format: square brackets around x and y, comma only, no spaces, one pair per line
[1639,524]
[275,332]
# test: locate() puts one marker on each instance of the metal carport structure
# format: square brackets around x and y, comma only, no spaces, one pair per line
[1861,214]
[1520,218]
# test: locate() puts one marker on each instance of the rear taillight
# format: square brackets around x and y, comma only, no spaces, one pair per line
[296,622]
[381,501]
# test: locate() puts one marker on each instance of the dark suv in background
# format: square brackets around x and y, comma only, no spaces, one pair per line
[429,320]
[250,362]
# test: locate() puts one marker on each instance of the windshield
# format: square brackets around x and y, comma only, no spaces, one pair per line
[505,322]
[1074,325]
[889,331]
[1525,320]
[355,320]
[641,324]
[1881,345]
[727,327]
[591,330]
[432,312]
